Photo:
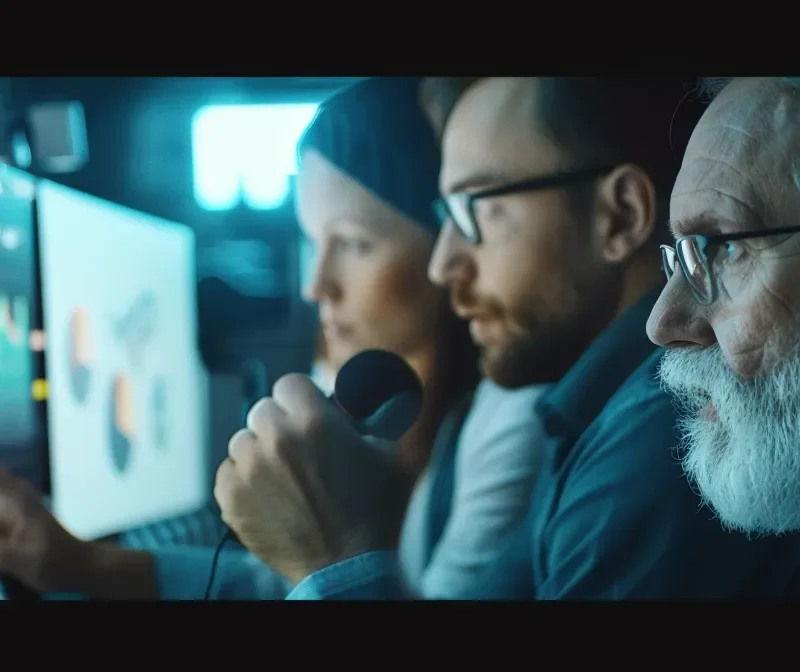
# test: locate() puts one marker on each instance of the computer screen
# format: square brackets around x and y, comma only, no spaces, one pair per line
[21,386]
[126,405]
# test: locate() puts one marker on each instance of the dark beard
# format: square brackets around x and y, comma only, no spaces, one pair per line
[545,352]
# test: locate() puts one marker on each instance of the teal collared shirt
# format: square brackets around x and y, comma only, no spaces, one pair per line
[612,516]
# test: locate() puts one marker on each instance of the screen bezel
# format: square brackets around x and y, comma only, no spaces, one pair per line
[39,442]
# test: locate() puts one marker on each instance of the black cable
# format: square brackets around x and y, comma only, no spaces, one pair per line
[228,536]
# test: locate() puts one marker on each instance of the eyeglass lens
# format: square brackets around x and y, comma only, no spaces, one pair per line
[694,265]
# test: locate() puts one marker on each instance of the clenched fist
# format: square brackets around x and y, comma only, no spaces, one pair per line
[303,490]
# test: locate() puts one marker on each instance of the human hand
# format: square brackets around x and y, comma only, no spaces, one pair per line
[302,489]
[34,548]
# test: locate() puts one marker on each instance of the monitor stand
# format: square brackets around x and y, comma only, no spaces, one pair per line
[17,591]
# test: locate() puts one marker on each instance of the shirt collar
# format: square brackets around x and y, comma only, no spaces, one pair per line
[571,404]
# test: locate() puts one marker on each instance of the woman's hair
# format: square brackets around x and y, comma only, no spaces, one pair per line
[376,133]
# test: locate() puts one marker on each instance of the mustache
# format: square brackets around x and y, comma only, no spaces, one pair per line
[693,375]
[691,368]
[698,375]
[465,301]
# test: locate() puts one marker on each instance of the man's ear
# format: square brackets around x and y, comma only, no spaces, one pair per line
[626,208]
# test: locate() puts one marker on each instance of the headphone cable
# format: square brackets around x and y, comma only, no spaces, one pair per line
[228,536]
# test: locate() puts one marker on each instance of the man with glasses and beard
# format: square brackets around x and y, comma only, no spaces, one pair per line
[552,189]
[730,313]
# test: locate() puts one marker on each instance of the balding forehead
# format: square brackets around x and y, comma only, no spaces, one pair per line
[761,109]
[510,96]
[756,101]
[487,108]
[747,146]
[492,128]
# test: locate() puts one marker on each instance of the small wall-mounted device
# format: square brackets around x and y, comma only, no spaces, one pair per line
[57,136]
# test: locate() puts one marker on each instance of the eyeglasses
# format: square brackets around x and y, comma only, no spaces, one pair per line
[460,208]
[691,253]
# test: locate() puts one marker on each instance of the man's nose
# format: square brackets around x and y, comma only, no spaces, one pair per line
[451,259]
[677,320]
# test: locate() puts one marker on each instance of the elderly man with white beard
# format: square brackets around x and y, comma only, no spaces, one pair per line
[730,312]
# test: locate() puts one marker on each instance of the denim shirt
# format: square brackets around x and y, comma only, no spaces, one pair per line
[182,573]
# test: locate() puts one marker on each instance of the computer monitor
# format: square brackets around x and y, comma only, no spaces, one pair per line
[126,406]
[22,435]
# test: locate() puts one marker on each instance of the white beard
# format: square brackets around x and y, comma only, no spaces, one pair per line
[746,463]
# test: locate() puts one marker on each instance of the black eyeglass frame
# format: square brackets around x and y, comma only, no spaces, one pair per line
[703,242]
[467,200]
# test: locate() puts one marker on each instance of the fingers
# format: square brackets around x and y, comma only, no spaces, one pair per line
[261,447]
[267,420]
[274,431]
[255,465]
[242,452]
[300,399]
[223,486]
[270,451]
[247,457]
[242,446]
